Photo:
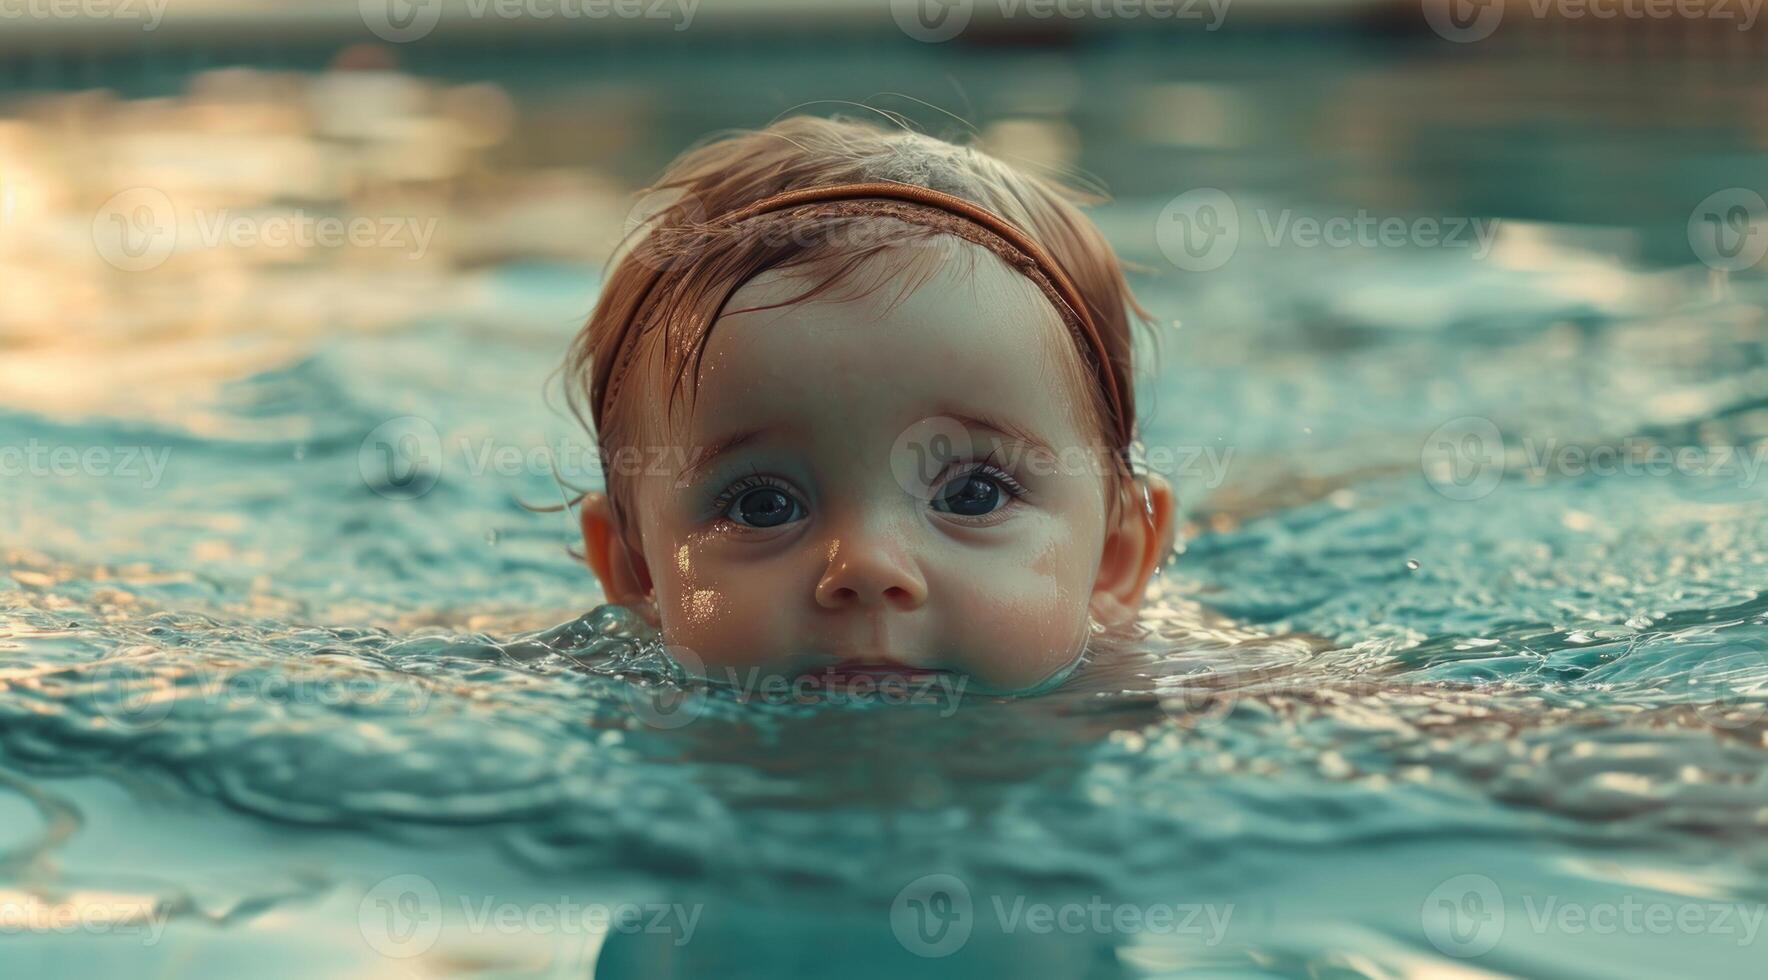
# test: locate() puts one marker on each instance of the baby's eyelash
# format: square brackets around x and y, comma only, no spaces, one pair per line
[742,485]
[988,467]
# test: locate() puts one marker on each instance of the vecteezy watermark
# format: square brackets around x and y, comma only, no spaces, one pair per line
[926,451]
[402,21]
[403,458]
[88,913]
[677,699]
[1464,916]
[935,21]
[1202,229]
[657,225]
[669,228]
[138,229]
[138,694]
[1203,696]
[935,915]
[1463,459]
[1467,21]
[937,449]
[1728,229]
[1468,916]
[1468,457]
[51,460]
[1730,691]
[682,695]
[148,13]
[404,915]
[1736,673]
[932,688]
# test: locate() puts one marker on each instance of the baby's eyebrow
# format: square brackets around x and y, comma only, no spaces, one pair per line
[1004,427]
[704,456]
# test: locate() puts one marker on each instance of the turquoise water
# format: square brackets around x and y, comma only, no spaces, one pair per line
[1407,704]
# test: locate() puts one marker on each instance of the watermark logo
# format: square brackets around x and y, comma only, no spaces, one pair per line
[1468,457]
[405,915]
[401,459]
[681,699]
[1464,916]
[1467,21]
[933,915]
[401,21]
[1464,458]
[931,21]
[936,21]
[401,916]
[146,464]
[1202,229]
[136,230]
[131,694]
[675,701]
[1468,915]
[933,688]
[663,229]
[148,12]
[89,913]
[1464,21]
[1199,699]
[1728,230]
[404,21]
[941,445]
[926,450]
[1740,673]
[1199,230]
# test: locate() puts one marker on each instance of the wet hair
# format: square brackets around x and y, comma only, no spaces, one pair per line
[675,229]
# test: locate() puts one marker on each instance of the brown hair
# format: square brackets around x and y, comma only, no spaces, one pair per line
[704,260]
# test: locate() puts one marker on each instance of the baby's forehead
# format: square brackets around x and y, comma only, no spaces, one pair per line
[924,269]
[918,327]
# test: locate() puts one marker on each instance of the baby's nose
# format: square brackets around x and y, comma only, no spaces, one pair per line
[870,572]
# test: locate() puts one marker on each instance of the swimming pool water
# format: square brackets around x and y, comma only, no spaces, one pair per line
[1449,677]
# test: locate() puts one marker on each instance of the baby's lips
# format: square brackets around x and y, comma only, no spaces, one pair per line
[874,668]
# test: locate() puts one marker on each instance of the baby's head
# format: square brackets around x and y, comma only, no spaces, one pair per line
[866,435]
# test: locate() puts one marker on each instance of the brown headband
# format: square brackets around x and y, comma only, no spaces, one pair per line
[1020,250]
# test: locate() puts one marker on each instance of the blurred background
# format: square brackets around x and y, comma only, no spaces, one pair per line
[215,183]
[196,194]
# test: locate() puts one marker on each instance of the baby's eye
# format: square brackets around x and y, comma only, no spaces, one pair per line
[763,507]
[976,493]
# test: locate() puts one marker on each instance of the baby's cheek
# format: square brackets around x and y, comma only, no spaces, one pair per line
[724,620]
[1016,629]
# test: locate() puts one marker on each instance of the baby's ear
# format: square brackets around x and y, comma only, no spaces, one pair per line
[1136,545]
[619,567]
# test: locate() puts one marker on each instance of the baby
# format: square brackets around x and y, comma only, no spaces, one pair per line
[879,386]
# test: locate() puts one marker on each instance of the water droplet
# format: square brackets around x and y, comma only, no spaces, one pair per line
[300,453]
[1412,563]
[491,537]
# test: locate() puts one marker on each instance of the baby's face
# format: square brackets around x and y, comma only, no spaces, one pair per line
[883,486]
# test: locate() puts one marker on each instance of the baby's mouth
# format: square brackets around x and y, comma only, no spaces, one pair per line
[844,673]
